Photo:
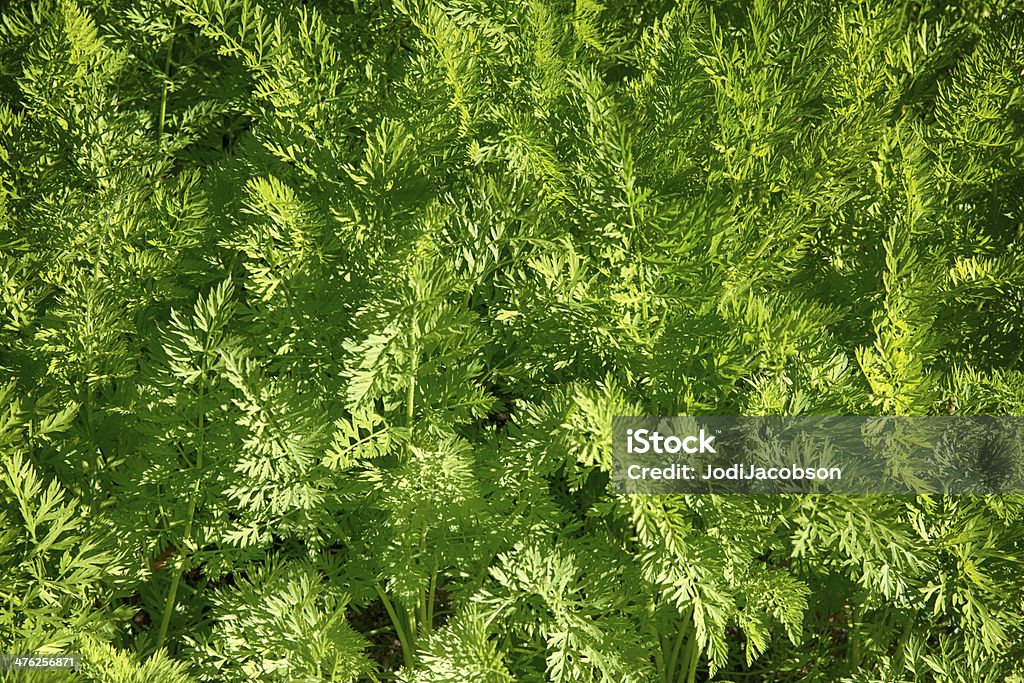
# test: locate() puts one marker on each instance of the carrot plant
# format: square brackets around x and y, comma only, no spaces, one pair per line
[314,318]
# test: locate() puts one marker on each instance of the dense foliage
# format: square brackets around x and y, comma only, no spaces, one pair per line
[314,316]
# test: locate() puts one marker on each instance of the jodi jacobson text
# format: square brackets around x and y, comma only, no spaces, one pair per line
[734,472]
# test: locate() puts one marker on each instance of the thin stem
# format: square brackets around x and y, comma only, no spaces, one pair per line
[421,611]
[410,398]
[854,638]
[165,619]
[421,607]
[673,657]
[172,593]
[403,638]
[429,621]
[659,652]
[167,85]
[694,659]
[688,672]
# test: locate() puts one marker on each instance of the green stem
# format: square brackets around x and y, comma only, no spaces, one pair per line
[403,638]
[659,652]
[694,659]
[428,623]
[421,607]
[172,593]
[167,77]
[673,657]
[688,670]
[165,619]
[421,611]
[854,639]
[410,399]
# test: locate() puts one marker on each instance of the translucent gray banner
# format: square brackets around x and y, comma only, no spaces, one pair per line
[948,454]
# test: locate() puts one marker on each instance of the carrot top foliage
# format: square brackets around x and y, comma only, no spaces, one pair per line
[314,317]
